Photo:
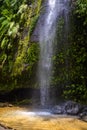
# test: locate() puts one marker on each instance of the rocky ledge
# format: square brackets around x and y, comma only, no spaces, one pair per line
[71,108]
[6,104]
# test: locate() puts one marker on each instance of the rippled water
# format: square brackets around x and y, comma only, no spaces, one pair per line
[25,119]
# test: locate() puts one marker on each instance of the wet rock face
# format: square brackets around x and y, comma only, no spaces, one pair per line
[71,108]
[83,114]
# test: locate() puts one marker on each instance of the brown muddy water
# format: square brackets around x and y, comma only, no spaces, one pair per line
[25,119]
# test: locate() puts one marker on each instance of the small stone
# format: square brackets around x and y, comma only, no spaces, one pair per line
[10,105]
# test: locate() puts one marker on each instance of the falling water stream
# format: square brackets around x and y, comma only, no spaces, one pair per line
[47,35]
[47,39]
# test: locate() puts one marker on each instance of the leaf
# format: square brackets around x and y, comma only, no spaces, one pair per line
[1,19]
[22,8]
[12,24]
[4,43]
[5,12]
[5,24]
[7,2]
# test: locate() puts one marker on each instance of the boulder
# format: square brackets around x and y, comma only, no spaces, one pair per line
[84,118]
[72,108]
[83,114]
[57,109]
[69,108]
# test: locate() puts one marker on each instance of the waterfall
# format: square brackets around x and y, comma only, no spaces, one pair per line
[47,38]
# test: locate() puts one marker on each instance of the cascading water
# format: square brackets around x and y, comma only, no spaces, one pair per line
[47,39]
[47,34]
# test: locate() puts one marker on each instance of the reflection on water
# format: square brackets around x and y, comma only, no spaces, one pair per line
[33,113]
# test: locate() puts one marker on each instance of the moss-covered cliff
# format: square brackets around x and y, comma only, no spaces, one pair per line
[18,56]
[70,59]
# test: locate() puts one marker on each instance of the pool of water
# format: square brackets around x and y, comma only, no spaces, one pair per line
[29,119]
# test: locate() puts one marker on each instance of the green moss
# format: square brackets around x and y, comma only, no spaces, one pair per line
[33,23]
[19,57]
[39,6]
[19,60]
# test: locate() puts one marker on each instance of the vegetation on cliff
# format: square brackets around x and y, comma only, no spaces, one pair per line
[78,55]
[70,60]
[17,55]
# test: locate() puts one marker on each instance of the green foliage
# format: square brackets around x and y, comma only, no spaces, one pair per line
[17,55]
[70,59]
[26,58]
[77,89]
[33,23]
[8,22]
[39,2]
[32,53]
[81,10]
[70,71]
